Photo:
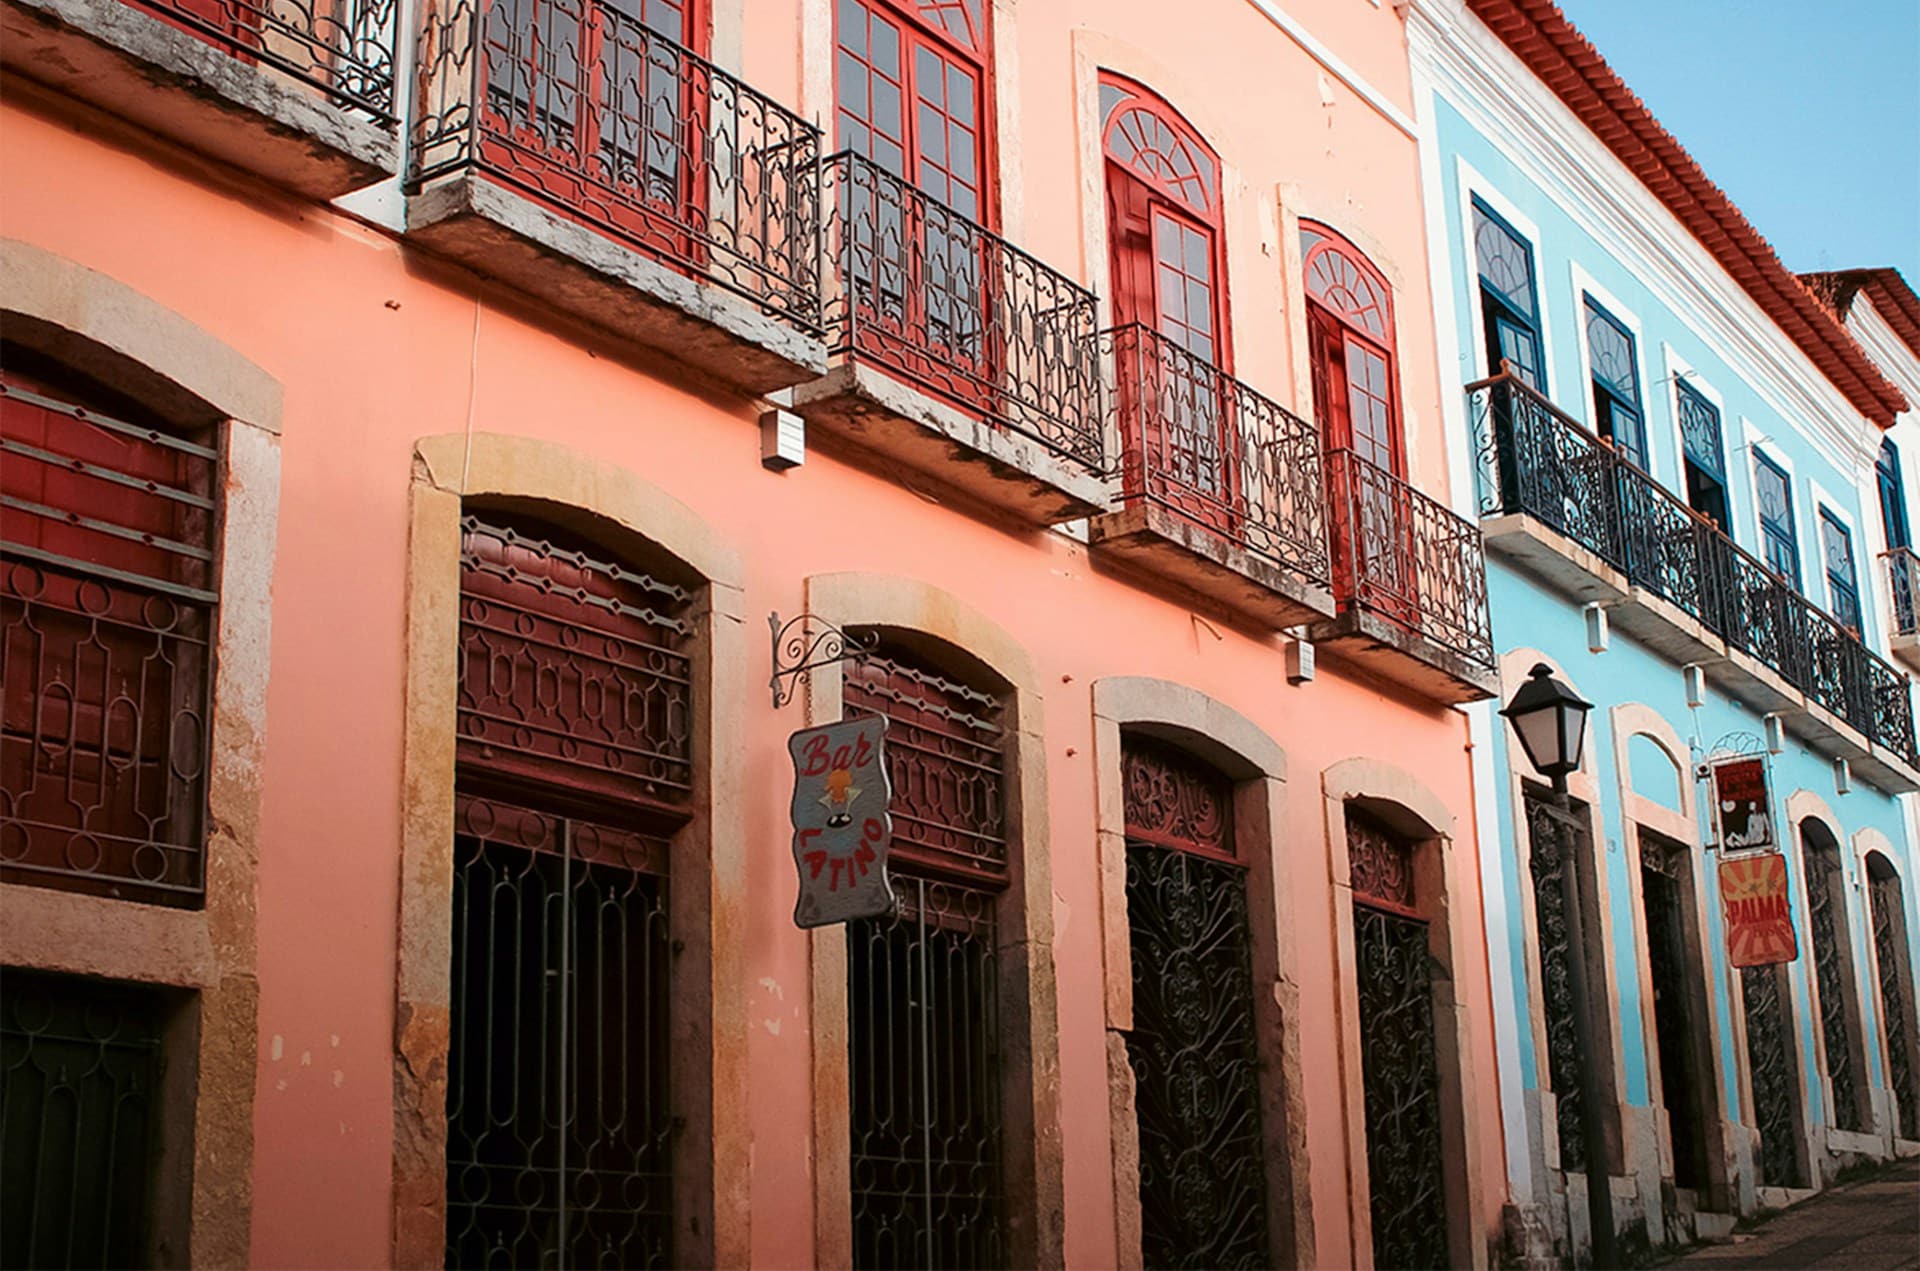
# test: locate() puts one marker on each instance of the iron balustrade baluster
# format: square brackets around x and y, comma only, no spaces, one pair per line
[1827,923]
[943,302]
[1408,557]
[610,123]
[1770,1070]
[342,50]
[1533,460]
[1192,1047]
[1399,1050]
[108,604]
[1891,951]
[81,1064]
[1207,448]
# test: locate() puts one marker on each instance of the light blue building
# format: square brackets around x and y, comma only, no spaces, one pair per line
[1676,454]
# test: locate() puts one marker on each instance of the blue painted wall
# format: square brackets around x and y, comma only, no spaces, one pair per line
[1525,614]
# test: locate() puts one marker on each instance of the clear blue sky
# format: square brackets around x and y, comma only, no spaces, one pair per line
[1806,112]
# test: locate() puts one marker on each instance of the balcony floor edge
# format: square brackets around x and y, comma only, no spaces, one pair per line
[137,67]
[472,220]
[1154,542]
[870,410]
[1389,651]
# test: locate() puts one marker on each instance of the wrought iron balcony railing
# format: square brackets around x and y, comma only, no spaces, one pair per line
[958,311]
[1407,558]
[1199,443]
[343,49]
[1903,584]
[618,128]
[1536,461]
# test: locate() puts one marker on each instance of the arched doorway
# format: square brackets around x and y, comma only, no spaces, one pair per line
[1193,1045]
[1830,927]
[1893,954]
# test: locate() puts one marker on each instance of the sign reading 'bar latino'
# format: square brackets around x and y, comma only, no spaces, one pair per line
[1753,900]
[841,826]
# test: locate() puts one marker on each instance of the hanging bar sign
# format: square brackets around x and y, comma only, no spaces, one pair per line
[1753,900]
[1742,804]
[841,826]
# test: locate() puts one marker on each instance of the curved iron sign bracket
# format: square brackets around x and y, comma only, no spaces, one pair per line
[804,642]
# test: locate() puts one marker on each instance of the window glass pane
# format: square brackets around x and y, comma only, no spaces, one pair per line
[1610,349]
[1504,261]
[1700,431]
[853,27]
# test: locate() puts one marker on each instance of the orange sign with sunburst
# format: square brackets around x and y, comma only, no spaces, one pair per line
[1753,900]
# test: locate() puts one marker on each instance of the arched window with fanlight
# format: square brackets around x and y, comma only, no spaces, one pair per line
[1356,398]
[1350,334]
[1163,222]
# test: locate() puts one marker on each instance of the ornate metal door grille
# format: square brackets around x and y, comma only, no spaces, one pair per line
[1827,917]
[1554,837]
[1896,998]
[923,985]
[1399,1053]
[1665,885]
[80,1065]
[1203,1194]
[574,765]
[1771,1069]
[107,595]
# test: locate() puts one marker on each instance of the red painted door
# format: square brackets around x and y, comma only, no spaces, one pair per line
[924,284]
[1373,542]
[1165,279]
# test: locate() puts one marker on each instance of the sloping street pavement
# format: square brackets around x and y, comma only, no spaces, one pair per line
[1870,1225]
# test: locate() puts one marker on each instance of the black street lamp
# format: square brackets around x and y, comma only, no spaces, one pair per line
[1551,721]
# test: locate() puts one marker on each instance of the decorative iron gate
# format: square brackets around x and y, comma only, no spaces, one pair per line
[1665,886]
[1896,999]
[923,1027]
[80,1065]
[1554,837]
[1771,1070]
[574,765]
[108,596]
[1399,1053]
[1827,917]
[1203,1194]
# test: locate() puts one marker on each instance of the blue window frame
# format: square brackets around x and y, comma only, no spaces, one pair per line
[1508,298]
[1703,456]
[1893,496]
[1774,493]
[1843,584]
[1616,383]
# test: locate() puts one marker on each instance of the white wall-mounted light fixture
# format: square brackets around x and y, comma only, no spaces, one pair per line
[1776,734]
[1842,777]
[1596,615]
[783,440]
[1299,661]
[1695,676]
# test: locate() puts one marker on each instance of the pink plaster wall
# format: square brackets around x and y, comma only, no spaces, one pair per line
[372,347]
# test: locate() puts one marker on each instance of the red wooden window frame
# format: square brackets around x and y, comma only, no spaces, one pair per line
[567,173]
[928,26]
[943,270]
[1338,320]
[1159,171]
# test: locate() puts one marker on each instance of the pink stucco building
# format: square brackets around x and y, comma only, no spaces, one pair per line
[394,785]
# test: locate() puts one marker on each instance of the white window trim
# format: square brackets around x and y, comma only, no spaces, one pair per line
[1583,287]
[1471,186]
[1758,443]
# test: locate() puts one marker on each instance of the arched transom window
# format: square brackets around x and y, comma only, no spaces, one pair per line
[1143,135]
